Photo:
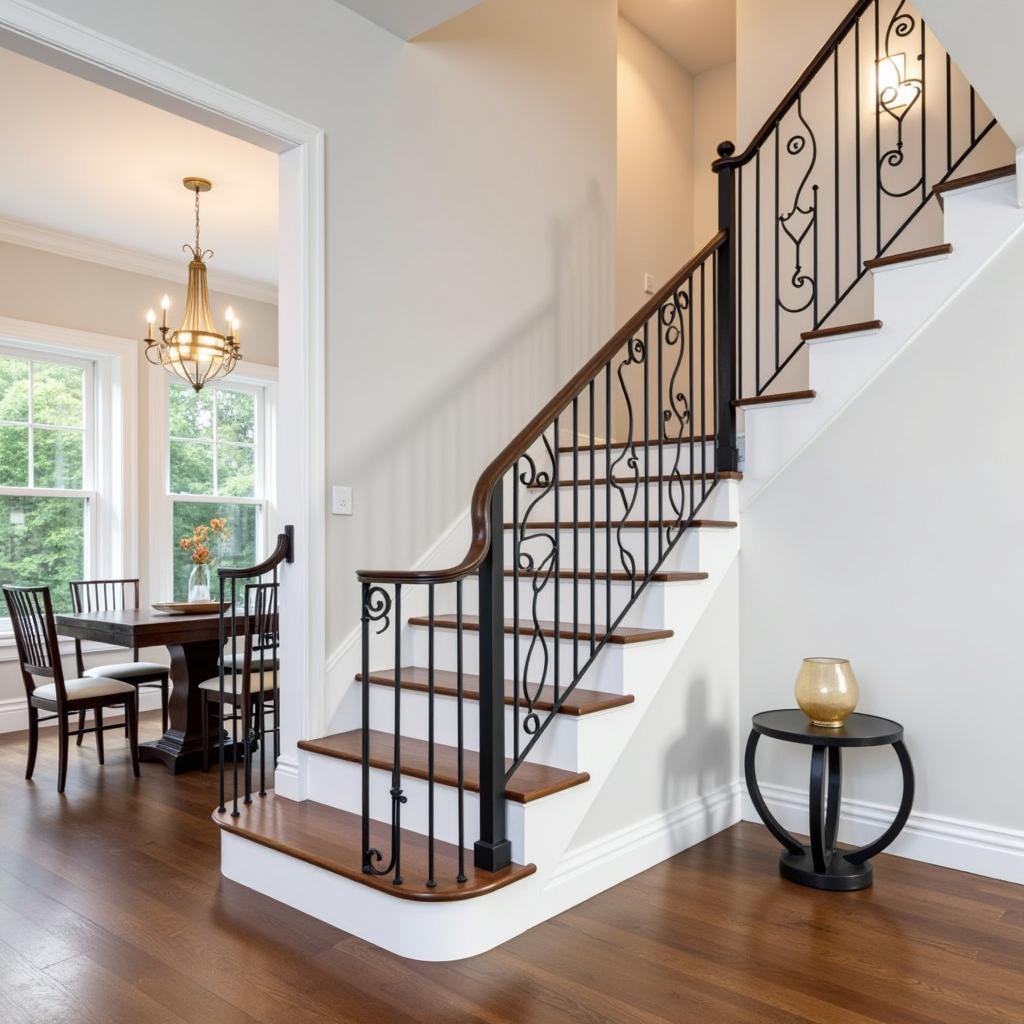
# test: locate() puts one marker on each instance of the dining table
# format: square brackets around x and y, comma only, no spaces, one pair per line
[194,643]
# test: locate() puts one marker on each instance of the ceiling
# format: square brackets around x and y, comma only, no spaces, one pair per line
[83,160]
[408,18]
[699,34]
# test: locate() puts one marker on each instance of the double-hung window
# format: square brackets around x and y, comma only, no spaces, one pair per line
[47,471]
[216,467]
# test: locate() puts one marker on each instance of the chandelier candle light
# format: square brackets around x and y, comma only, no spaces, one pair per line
[195,351]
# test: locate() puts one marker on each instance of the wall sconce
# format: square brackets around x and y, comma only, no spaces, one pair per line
[896,93]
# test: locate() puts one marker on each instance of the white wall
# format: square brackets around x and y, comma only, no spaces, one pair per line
[894,539]
[714,121]
[40,287]
[654,201]
[984,38]
[686,748]
[469,237]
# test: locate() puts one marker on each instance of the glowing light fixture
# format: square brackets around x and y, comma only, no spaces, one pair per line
[896,94]
[195,351]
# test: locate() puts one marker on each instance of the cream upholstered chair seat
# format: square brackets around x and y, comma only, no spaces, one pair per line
[257,682]
[234,662]
[84,688]
[125,670]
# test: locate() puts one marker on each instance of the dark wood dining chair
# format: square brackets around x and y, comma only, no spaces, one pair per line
[35,634]
[251,664]
[109,596]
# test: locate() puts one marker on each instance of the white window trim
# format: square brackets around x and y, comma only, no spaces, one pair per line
[113,517]
[158,581]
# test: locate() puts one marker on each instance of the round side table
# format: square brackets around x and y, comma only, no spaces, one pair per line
[820,864]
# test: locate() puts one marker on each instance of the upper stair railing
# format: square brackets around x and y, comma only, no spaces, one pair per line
[594,493]
[836,174]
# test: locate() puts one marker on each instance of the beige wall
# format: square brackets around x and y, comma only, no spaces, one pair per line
[714,121]
[654,201]
[775,41]
[44,288]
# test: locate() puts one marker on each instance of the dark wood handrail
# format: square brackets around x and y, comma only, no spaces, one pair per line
[520,444]
[816,64]
[282,553]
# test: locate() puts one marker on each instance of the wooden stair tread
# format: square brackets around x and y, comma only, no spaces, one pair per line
[530,782]
[630,524]
[654,478]
[600,446]
[784,396]
[966,180]
[332,840]
[835,332]
[579,702]
[619,635]
[615,577]
[912,254]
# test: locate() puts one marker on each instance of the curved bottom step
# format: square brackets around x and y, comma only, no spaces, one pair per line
[331,839]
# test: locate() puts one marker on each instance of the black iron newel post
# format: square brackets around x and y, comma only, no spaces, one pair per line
[492,850]
[727,457]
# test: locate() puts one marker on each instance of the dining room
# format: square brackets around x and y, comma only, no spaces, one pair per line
[138,412]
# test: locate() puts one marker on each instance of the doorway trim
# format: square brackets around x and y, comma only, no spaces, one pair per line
[78,49]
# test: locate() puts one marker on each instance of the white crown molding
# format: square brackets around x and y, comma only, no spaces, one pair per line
[78,247]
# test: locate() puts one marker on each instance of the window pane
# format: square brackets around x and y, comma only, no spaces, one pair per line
[42,542]
[236,470]
[13,389]
[13,457]
[239,550]
[191,414]
[236,416]
[57,395]
[191,467]
[58,458]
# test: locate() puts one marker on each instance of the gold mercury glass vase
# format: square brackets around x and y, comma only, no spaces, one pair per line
[827,691]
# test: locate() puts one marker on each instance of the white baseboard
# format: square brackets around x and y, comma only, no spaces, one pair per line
[14,711]
[288,783]
[934,839]
[612,858]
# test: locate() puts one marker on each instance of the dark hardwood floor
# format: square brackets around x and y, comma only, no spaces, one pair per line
[112,910]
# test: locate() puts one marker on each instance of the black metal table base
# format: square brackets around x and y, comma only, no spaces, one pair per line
[839,876]
[820,864]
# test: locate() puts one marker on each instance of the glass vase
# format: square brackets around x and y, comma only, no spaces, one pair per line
[199,583]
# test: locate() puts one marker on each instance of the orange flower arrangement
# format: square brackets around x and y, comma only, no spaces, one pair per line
[204,536]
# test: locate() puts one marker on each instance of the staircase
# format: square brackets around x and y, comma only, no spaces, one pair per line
[494,699]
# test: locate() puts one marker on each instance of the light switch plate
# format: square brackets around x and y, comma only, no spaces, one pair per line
[341,501]
[649,284]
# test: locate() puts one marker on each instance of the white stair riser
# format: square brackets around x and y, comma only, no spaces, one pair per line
[558,746]
[619,467]
[338,784]
[710,501]
[606,674]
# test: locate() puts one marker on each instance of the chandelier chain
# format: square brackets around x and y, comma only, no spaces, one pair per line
[198,250]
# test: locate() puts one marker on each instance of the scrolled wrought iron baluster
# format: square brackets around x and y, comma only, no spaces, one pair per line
[377,605]
[672,318]
[539,569]
[897,100]
[799,220]
[636,355]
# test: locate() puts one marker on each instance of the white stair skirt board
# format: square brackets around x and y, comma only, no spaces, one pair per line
[948,842]
[979,223]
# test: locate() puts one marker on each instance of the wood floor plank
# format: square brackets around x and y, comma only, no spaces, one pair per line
[124,878]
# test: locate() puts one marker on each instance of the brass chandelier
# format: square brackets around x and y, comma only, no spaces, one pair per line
[195,351]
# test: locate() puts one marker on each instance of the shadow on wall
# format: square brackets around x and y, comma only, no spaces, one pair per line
[421,470]
[699,760]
